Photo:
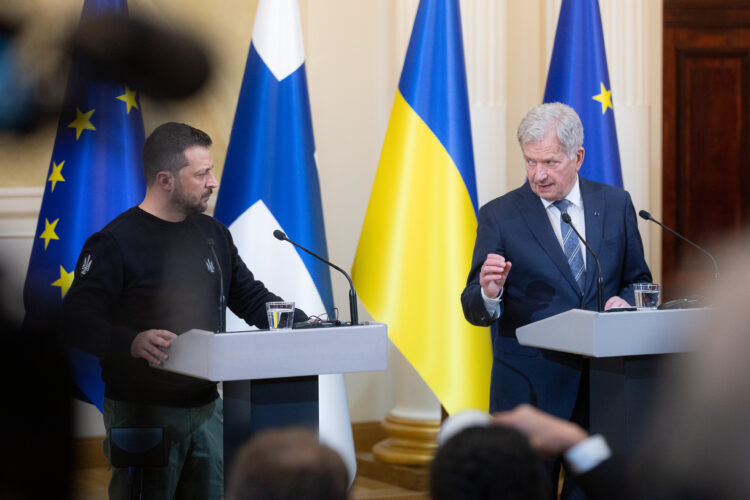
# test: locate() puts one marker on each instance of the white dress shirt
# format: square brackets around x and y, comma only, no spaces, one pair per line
[588,454]
[575,210]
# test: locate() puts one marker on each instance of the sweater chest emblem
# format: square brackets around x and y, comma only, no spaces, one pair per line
[86,264]
[210,266]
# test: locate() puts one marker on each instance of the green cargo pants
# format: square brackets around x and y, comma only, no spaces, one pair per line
[195,468]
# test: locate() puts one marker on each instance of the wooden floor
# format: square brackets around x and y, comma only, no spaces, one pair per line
[91,484]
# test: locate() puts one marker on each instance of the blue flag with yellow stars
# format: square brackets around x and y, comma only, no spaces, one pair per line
[95,173]
[578,76]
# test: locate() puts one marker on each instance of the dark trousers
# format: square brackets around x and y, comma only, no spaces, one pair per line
[571,490]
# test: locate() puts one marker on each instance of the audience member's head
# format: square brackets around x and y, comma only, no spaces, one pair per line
[487,463]
[287,464]
[461,420]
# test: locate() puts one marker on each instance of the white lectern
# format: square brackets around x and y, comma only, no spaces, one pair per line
[627,351]
[271,377]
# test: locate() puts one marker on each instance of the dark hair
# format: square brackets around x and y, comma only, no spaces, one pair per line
[487,463]
[165,148]
[287,464]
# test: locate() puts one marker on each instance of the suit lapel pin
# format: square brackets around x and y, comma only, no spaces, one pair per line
[596,214]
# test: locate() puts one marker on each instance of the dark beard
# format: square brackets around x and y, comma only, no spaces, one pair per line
[186,206]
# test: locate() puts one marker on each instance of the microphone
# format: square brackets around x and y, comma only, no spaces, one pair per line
[280,235]
[647,216]
[600,280]
[222,298]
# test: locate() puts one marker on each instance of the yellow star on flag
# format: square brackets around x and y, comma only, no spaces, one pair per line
[82,121]
[605,98]
[129,99]
[64,282]
[56,175]
[49,232]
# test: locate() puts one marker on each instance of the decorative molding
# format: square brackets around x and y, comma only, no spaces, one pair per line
[625,27]
[484,26]
[406,12]
[410,441]
[19,211]
[20,200]
[551,15]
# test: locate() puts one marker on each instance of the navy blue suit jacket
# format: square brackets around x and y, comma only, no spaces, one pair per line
[541,284]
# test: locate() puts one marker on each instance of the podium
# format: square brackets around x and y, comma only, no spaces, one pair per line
[271,377]
[628,351]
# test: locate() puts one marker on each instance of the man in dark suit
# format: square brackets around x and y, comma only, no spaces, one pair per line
[529,265]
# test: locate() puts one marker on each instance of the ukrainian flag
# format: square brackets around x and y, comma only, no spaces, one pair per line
[578,76]
[418,234]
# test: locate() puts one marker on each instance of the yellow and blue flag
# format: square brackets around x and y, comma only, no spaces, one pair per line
[578,76]
[95,174]
[270,181]
[417,238]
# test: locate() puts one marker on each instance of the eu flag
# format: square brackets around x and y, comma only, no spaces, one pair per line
[578,76]
[95,173]
[270,181]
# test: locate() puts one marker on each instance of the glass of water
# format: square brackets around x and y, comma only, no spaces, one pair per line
[280,315]
[646,295]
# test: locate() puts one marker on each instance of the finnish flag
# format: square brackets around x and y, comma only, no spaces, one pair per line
[270,181]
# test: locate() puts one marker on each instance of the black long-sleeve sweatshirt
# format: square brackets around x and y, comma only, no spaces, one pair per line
[141,272]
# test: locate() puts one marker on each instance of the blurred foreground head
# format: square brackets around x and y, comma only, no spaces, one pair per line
[487,463]
[287,464]
[699,446]
[158,60]
[150,56]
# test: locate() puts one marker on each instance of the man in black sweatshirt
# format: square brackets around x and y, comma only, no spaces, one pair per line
[148,276]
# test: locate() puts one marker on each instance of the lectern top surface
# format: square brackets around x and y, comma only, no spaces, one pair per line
[258,354]
[629,333]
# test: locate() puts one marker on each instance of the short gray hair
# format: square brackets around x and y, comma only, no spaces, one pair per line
[539,121]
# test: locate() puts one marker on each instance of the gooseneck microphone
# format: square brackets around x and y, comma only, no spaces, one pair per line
[222,298]
[600,279]
[647,216]
[280,235]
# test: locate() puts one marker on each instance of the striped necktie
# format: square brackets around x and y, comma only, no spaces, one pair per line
[571,245]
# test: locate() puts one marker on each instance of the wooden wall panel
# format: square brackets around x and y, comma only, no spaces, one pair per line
[706,169]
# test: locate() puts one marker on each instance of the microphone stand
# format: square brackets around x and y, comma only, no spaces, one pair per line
[222,298]
[280,235]
[647,216]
